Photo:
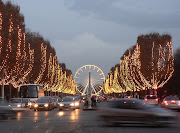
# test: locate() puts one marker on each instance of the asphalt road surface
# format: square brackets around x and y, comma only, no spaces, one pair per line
[71,121]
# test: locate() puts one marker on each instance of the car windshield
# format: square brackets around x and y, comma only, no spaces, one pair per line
[67,100]
[16,100]
[42,100]
[55,100]
[151,97]
[171,98]
[25,100]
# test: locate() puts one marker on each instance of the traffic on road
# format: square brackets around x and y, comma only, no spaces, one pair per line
[107,114]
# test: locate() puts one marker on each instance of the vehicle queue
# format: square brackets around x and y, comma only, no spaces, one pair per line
[73,102]
[114,110]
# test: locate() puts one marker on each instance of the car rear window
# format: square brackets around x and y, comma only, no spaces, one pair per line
[171,98]
[125,104]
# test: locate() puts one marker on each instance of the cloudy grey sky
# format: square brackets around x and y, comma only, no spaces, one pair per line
[99,31]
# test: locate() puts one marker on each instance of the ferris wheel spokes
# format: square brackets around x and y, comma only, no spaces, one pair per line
[81,78]
[93,89]
[85,89]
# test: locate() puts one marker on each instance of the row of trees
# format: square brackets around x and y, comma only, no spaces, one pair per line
[147,65]
[26,57]
[173,86]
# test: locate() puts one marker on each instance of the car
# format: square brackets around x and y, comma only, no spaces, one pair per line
[43,104]
[171,102]
[50,98]
[7,111]
[67,103]
[134,111]
[18,102]
[77,101]
[151,99]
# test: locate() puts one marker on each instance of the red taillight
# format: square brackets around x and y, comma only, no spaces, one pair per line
[165,101]
[173,101]
[145,99]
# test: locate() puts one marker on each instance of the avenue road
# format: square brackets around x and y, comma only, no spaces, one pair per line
[71,121]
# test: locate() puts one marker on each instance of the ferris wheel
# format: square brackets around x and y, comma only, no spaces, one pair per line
[81,79]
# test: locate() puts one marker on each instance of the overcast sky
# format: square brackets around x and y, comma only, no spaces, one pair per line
[99,31]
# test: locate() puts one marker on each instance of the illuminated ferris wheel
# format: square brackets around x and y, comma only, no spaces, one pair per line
[83,82]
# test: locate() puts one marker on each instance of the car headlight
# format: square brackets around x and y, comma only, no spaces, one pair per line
[61,104]
[19,105]
[72,104]
[35,105]
[76,103]
[46,105]
[29,104]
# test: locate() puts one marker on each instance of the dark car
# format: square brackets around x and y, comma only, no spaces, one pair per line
[125,111]
[43,104]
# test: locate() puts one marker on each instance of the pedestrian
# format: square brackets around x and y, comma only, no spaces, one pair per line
[93,101]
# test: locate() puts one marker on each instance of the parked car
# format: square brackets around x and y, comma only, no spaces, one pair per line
[67,103]
[171,102]
[43,104]
[125,111]
[18,102]
[151,99]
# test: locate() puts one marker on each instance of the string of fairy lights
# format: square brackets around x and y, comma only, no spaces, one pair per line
[1,21]
[56,79]
[129,77]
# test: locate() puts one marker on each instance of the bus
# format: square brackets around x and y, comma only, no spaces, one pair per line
[31,92]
